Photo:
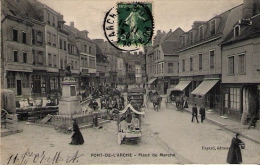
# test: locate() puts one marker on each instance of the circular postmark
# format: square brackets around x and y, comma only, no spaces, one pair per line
[129,26]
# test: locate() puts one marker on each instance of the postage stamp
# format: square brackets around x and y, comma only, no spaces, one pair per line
[129,26]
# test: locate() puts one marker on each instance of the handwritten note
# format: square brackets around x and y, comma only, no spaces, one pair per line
[29,157]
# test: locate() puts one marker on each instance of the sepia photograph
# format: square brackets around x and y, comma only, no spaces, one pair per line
[130,82]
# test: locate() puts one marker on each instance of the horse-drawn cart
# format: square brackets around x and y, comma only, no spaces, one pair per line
[129,119]
[174,96]
[129,125]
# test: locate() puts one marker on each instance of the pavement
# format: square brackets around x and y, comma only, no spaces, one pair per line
[252,134]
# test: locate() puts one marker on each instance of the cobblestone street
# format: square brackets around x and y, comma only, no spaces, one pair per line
[168,136]
[196,142]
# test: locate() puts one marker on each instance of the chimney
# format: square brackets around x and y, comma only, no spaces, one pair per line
[247,9]
[170,30]
[158,31]
[72,24]
[84,33]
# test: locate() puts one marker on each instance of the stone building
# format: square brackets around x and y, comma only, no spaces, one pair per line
[241,65]
[16,58]
[200,58]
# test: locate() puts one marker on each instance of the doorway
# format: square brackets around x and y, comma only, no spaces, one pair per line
[165,87]
[19,87]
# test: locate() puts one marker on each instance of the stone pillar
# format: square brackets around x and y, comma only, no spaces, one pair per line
[69,103]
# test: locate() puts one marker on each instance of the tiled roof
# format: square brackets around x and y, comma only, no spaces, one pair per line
[76,32]
[222,25]
[170,47]
[21,9]
[247,31]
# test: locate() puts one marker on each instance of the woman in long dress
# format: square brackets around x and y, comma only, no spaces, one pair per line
[234,153]
[77,137]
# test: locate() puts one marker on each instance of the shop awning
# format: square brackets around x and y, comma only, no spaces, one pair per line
[204,87]
[182,85]
[151,80]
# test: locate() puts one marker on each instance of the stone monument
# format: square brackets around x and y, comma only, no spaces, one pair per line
[69,103]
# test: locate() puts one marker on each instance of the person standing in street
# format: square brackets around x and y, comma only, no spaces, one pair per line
[77,137]
[234,153]
[202,113]
[195,113]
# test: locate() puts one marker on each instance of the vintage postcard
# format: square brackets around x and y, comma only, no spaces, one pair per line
[130,82]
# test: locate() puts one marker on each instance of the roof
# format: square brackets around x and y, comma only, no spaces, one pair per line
[170,47]
[223,24]
[76,32]
[247,30]
[21,9]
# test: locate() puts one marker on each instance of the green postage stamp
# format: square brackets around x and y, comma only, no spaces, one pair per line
[129,26]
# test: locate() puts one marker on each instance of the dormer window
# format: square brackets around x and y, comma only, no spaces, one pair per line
[191,36]
[236,31]
[213,27]
[183,40]
[201,32]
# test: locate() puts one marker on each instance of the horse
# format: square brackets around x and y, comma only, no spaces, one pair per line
[179,102]
[157,99]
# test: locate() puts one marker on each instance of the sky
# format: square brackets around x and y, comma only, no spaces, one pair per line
[168,14]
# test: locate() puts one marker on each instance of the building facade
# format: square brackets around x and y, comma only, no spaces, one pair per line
[241,68]
[200,59]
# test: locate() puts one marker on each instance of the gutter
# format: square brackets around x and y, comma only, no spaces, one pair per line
[213,39]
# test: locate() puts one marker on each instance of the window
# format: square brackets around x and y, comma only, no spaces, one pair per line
[50,59]
[15,56]
[92,62]
[48,18]
[183,65]
[33,36]
[10,80]
[39,37]
[53,21]
[61,63]
[162,68]
[201,32]
[65,45]
[55,60]
[90,50]
[85,48]
[24,57]
[15,35]
[241,64]
[76,65]
[231,68]
[200,61]
[60,44]
[170,68]
[24,37]
[212,57]
[236,31]
[54,40]
[191,36]
[159,54]
[49,38]
[40,58]
[191,64]
[25,81]
[213,27]
[235,98]
[183,40]
[72,63]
